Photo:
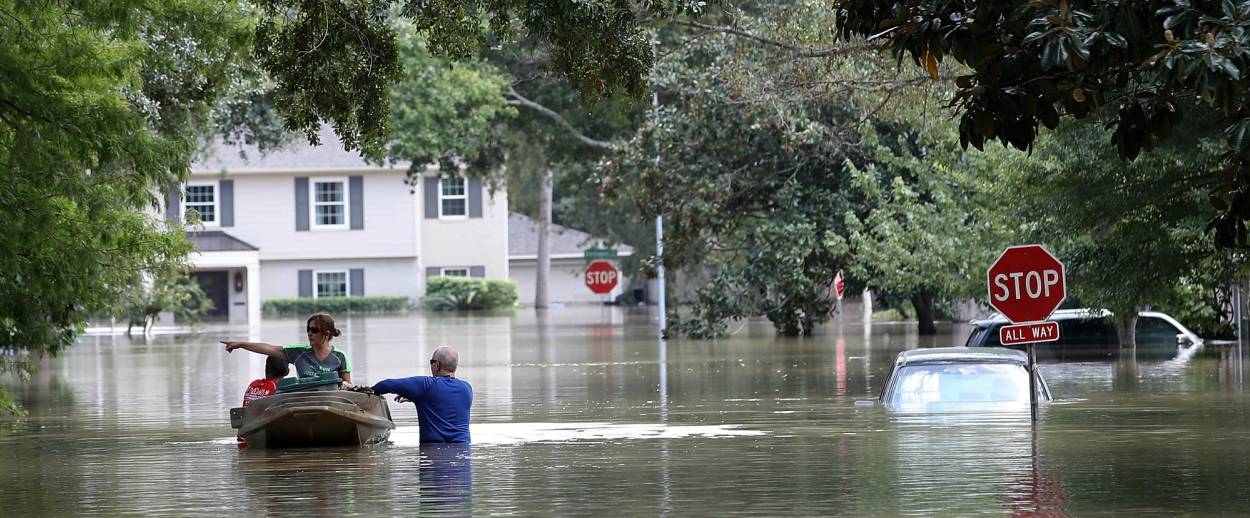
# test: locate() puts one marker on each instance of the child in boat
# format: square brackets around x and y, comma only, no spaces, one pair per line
[275,370]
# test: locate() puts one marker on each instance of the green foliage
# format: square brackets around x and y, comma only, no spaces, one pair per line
[100,109]
[1130,234]
[469,293]
[1035,62]
[337,60]
[336,305]
[170,290]
[927,233]
[448,113]
[750,188]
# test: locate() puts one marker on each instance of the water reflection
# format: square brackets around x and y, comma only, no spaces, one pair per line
[446,476]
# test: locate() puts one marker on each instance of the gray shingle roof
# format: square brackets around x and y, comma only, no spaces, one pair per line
[523,238]
[299,155]
[218,241]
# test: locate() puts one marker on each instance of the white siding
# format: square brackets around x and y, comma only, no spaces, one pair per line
[469,241]
[383,277]
[264,216]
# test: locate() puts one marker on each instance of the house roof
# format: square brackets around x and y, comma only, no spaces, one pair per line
[523,239]
[330,155]
[218,241]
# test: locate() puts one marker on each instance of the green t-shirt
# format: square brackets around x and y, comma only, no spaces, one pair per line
[306,364]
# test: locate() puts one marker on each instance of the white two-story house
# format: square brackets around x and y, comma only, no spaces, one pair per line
[319,221]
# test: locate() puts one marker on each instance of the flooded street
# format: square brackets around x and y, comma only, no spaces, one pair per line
[586,412]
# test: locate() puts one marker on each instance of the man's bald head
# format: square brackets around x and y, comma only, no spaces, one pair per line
[447,359]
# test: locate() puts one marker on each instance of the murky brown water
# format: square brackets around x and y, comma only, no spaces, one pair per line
[585,412]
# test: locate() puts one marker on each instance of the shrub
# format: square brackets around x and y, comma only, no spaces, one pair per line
[460,293]
[336,305]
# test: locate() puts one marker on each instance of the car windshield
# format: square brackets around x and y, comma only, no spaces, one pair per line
[960,383]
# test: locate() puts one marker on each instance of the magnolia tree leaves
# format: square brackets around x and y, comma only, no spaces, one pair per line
[1034,62]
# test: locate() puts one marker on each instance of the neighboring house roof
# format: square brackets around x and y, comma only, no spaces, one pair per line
[296,156]
[564,241]
[218,241]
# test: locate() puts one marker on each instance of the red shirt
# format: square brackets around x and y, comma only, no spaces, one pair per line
[258,389]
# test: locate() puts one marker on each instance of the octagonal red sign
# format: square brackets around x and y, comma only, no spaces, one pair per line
[601,277]
[1026,283]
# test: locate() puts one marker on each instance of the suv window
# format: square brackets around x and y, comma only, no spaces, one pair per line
[1087,332]
[1155,331]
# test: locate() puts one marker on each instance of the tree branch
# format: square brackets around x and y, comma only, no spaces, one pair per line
[805,52]
[519,100]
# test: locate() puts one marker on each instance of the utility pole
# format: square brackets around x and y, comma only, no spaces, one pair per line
[659,220]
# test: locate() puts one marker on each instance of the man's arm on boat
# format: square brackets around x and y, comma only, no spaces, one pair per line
[409,388]
[257,347]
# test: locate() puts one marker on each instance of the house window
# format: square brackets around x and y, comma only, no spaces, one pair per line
[330,284]
[329,202]
[455,272]
[453,199]
[201,198]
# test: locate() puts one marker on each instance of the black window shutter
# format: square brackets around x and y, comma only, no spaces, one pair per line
[475,198]
[357,281]
[301,203]
[305,283]
[172,214]
[356,189]
[431,197]
[227,202]
[477,271]
[433,271]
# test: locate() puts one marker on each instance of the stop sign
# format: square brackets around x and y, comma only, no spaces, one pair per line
[1026,283]
[601,277]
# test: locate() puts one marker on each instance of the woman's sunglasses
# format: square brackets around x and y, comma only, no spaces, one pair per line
[313,330]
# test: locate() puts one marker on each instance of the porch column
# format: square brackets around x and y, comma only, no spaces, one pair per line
[253,299]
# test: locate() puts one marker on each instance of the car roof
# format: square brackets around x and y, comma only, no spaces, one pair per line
[1062,314]
[961,354]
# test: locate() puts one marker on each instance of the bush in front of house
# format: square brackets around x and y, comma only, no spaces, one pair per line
[461,293]
[335,305]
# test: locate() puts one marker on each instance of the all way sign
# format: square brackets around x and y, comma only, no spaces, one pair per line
[1031,332]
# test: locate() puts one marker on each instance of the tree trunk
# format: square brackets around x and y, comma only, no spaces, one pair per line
[543,266]
[1126,329]
[923,302]
[1126,373]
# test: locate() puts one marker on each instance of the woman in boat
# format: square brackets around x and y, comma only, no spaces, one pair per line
[311,359]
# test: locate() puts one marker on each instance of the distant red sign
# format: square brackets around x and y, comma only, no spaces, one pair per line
[1029,333]
[601,277]
[1026,283]
[839,285]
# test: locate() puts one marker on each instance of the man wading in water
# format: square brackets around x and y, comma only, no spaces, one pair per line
[442,400]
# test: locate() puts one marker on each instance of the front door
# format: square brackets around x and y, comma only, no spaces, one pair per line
[216,286]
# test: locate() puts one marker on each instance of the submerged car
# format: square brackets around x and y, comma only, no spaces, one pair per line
[1085,333]
[960,379]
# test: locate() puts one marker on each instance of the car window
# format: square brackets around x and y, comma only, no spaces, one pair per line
[960,383]
[1087,332]
[991,337]
[1152,330]
[975,337]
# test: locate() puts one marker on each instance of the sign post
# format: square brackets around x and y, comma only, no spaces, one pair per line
[1026,283]
[601,277]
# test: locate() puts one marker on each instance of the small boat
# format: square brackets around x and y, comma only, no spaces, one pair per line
[312,412]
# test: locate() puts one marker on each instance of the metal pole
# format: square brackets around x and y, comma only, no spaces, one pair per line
[659,220]
[1032,383]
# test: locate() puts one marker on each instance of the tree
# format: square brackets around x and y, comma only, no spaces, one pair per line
[927,232]
[170,290]
[100,110]
[336,60]
[1152,65]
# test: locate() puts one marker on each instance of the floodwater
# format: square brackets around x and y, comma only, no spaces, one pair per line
[585,412]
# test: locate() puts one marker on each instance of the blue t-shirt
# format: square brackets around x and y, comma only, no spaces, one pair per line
[442,405]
